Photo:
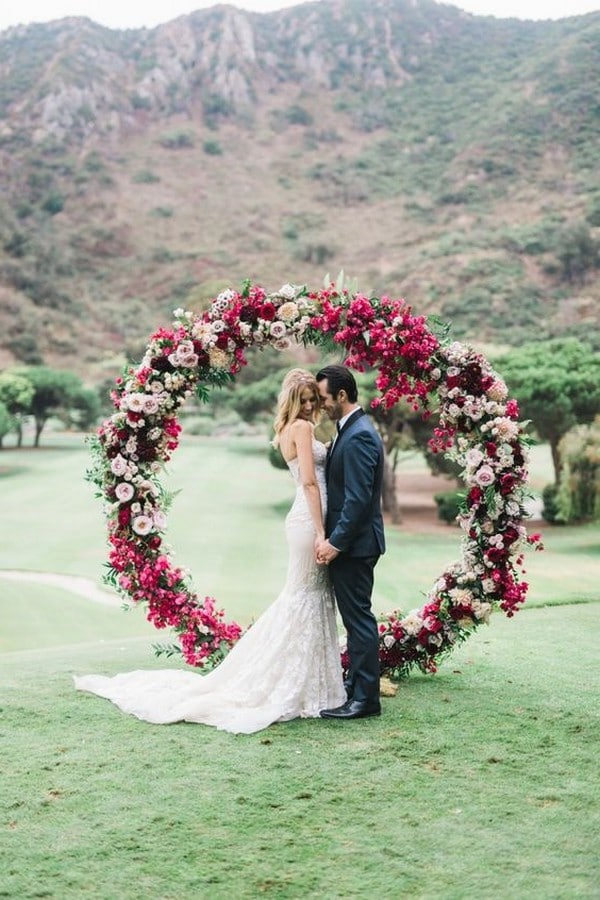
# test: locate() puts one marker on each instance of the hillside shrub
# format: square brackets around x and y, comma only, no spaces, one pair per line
[53,203]
[316,253]
[145,176]
[298,115]
[177,140]
[212,148]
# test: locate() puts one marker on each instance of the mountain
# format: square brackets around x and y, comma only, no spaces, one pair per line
[431,154]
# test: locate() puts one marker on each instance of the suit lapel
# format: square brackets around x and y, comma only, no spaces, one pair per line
[347,424]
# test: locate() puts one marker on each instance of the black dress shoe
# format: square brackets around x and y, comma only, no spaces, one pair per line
[353,709]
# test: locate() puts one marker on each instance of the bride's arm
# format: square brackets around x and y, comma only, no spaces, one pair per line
[302,434]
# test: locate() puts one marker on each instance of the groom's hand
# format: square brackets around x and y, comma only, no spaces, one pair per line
[326,553]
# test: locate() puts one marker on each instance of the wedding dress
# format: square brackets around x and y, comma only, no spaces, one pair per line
[287,664]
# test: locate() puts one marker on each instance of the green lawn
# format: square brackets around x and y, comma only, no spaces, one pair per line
[478,782]
[227,527]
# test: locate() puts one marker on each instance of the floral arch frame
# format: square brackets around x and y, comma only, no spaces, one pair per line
[478,426]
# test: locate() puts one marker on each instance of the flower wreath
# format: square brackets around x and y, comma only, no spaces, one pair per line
[478,425]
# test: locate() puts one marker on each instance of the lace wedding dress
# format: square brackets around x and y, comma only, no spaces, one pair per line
[287,665]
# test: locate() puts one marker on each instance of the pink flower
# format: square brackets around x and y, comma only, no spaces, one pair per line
[277,330]
[124,491]
[118,465]
[484,476]
[142,525]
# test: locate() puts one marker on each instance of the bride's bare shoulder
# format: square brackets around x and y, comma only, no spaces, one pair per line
[301,426]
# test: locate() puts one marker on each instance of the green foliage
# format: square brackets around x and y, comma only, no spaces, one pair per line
[145,176]
[16,392]
[26,350]
[181,139]
[557,384]
[298,115]
[140,102]
[578,252]
[449,504]
[317,253]
[7,421]
[578,496]
[53,203]
[53,390]
[550,508]
[162,212]
[215,108]
[212,147]
[276,458]
[82,410]
[256,399]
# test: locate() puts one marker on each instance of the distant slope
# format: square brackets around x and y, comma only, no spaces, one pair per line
[448,158]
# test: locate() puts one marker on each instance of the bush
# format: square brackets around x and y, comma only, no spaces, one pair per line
[550,510]
[275,458]
[298,115]
[177,140]
[449,505]
[53,203]
[213,148]
[578,496]
[145,176]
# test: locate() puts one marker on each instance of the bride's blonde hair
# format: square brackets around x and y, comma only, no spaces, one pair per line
[289,402]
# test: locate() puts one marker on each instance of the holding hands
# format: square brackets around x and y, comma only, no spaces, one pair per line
[324,552]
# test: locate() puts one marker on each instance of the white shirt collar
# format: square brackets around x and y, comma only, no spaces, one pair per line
[345,418]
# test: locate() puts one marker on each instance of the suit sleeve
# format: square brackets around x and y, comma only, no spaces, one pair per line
[361,459]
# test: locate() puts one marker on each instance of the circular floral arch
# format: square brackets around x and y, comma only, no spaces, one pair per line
[478,426]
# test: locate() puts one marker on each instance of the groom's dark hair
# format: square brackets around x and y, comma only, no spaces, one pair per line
[339,378]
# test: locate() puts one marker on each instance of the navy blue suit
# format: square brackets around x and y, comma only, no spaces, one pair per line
[354,526]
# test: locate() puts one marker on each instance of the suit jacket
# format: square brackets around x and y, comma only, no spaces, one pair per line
[354,522]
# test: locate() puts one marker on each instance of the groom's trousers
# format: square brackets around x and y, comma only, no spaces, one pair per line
[352,578]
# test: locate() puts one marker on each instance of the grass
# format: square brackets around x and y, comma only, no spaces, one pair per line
[478,782]
[226,526]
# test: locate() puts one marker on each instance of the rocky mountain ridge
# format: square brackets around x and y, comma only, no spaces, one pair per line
[427,151]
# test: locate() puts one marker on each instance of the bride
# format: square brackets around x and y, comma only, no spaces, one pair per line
[287,664]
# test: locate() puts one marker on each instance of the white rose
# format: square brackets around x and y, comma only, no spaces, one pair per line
[287,291]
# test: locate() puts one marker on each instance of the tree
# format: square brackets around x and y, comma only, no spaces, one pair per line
[84,409]
[253,400]
[7,422]
[557,384]
[578,495]
[577,252]
[53,390]
[16,394]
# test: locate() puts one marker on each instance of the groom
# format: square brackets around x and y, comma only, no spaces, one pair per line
[355,539]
